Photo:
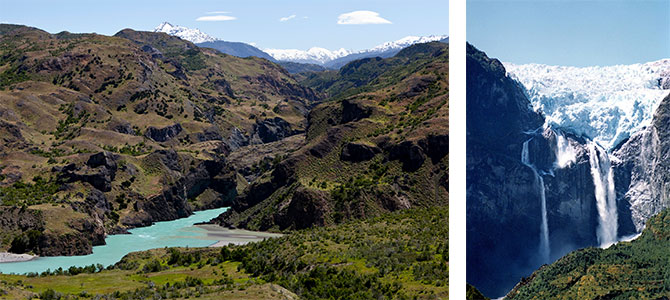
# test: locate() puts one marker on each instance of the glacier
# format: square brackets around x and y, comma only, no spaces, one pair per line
[605,104]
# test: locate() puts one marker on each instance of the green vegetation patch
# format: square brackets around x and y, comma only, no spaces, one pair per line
[628,270]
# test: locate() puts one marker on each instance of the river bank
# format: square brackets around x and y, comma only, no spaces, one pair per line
[6,257]
[234,236]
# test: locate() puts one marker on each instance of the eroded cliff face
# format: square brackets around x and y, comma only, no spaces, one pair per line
[641,167]
[531,193]
[535,193]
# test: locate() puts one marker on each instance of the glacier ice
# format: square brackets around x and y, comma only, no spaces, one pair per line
[605,104]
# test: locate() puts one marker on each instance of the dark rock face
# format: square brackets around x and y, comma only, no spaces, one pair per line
[102,159]
[409,153]
[168,158]
[155,53]
[357,152]
[495,115]
[209,134]
[435,146]
[223,86]
[163,134]
[10,136]
[307,208]
[99,171]
[281,176]
[237,139]
[504,213]
[271,130]
[352,111]
[66,244]
[19,219]
[32,237]
[122,127]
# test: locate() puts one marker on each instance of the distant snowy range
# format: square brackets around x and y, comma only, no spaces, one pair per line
[603,104]
[320,58]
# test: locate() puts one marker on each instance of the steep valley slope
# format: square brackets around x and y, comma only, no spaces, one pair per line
[378,143]
[105,133]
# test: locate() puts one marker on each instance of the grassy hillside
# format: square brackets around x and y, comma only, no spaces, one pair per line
[103,133]
[639,269]
[400,255]
[379,143]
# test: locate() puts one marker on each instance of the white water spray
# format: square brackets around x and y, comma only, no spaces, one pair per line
[544,228]
[565,153]
[603,180]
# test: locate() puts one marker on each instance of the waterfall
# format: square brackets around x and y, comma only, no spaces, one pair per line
[603,180]
[544,228]
[565,154]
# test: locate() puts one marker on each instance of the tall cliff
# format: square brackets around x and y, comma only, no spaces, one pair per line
[534,192]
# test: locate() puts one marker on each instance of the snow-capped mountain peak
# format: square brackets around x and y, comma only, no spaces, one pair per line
[406,42]
[321,56]
[312,55]
[192,35]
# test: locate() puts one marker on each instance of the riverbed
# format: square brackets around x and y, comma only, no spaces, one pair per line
[177,233]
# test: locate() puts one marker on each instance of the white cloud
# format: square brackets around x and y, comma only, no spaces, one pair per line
[216,18]
[284,19]
[217,12]
[361,17]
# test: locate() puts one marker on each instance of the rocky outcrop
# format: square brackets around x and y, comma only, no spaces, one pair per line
[10,136]
[498,111]
[327,142]
[163,134]
[409,153]
[357,152]
[28,234]
[354,111]
[64,244]
[168,158]
[236,139]
[20,219]
[121,127]
[99,171]
[642,169]
[271,130]
[306,208]
[211,133]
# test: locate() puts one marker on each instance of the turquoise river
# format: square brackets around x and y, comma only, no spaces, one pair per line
[176,233]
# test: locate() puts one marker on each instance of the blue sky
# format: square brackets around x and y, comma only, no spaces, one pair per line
[570,32]
[257,21]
